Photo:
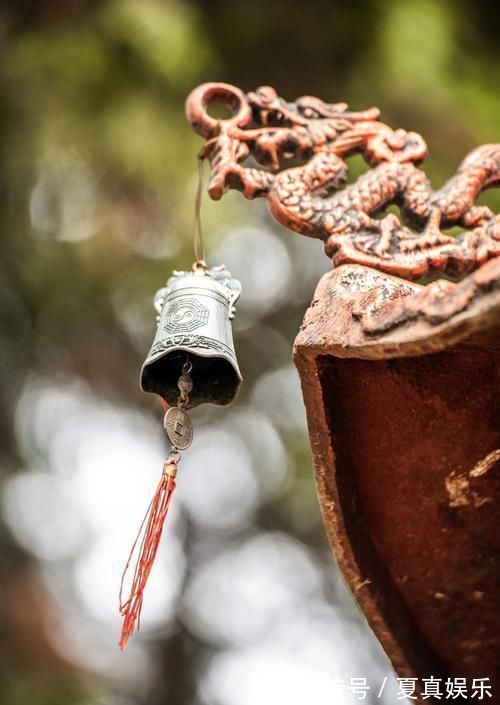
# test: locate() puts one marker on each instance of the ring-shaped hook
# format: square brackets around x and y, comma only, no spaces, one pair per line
[223,93]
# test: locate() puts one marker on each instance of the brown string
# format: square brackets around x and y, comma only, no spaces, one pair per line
[199,242]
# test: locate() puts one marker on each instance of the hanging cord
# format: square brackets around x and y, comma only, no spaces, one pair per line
[199,242]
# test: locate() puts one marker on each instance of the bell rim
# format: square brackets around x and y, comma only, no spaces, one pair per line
[202,353]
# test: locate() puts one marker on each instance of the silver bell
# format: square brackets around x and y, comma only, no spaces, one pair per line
[195,310]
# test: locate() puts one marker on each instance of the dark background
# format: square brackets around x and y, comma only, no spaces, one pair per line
[97,180]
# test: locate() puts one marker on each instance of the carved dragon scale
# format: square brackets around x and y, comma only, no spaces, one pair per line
[251,152]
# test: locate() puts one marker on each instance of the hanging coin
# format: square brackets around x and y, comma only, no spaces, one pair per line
[178,428]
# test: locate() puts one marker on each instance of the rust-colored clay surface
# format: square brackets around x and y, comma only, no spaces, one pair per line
[409,439]
[405,434]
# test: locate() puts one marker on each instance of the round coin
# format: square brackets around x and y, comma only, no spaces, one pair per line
[178,428]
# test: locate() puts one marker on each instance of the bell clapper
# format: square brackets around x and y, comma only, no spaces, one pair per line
[177,424]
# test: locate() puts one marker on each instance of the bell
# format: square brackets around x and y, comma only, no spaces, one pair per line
[194,324]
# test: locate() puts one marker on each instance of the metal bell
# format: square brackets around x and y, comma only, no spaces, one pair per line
[195,309]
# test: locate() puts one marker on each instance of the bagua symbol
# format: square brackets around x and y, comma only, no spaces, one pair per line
[185,315]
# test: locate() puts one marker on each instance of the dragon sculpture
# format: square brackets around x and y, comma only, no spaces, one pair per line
[257,149]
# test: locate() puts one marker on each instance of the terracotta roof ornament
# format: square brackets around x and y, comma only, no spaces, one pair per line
[398,357]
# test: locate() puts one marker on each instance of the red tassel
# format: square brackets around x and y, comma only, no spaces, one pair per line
[155,517]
